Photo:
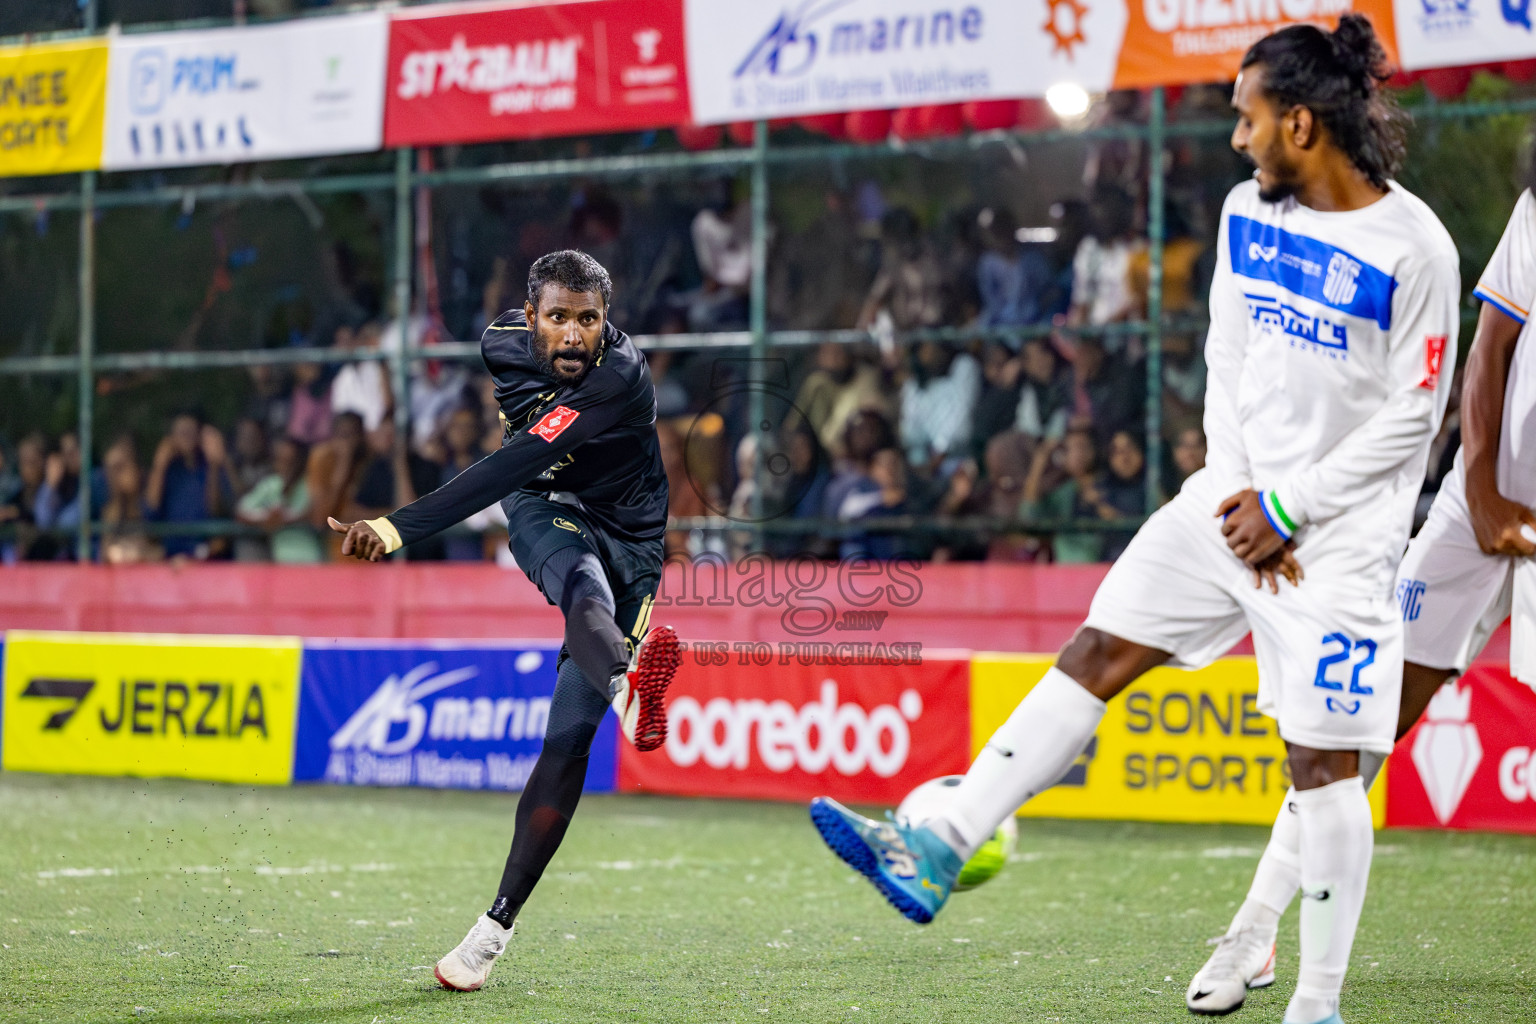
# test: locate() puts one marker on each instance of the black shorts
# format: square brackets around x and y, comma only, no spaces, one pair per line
[538,527]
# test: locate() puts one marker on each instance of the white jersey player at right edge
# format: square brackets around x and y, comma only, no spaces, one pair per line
[1457,583]
[1333,308]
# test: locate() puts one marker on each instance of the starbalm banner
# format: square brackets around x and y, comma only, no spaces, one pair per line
[303,88]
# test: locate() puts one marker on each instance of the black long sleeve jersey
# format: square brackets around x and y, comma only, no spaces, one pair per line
[595,440]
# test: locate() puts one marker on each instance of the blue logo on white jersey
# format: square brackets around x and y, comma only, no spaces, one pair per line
[1311,269]
[1272,314]
[1410,597]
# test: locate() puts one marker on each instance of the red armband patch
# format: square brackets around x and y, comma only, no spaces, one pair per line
[1434,355]
[556,420]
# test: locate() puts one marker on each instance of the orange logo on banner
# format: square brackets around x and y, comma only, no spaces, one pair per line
[1064,24]
[1169,42]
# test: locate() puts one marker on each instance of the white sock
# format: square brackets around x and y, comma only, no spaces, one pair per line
[1278,875]
[1028,754]
[1336,844]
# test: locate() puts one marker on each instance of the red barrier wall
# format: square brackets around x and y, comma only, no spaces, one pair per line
[974,606]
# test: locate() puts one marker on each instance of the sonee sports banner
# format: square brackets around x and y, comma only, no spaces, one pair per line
[51,100]
[220,708]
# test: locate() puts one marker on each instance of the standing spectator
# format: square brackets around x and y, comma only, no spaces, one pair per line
[309,405]
[1188,452]
[908,291]
[335,469]
[189,483]
[1122,493]
[1109,391]
[392,477]
[461,449]
[251,459]
[840,386]
[362,387]
[58,500]
[279,504]
[31,470]
[722,244]
[1012,279]
[1101,281]
[124,539]
[1045,397]
[938,399]
[1183,377]
[1073,462]
[815,282]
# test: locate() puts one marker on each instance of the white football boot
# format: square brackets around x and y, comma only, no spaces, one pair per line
[1244,959]
[466,968]
[639,697]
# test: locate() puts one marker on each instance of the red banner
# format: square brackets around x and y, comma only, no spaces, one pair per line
[864,726]
[1471,761]
[472,74]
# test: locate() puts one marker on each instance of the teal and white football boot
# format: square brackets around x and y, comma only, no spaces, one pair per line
[914,869]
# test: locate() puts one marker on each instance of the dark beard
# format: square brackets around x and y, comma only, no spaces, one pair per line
[1278,192]
[544,354]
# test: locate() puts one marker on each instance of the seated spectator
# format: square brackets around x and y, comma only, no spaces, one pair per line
[309,405]
[1011,278]
[840,386]
[461,449]
[801,493]
[1183,377]
[1101,281]
[334,472]
[21,506]
[848,491]
[999,401]
[10,487]
[938,399]
[271,401]
[684,500]
[1045,392]
[189,483]
[279,504]
[1008,460]
[1109,391]
[908,290]
[722,244]
[362,387]
[394,476]
[1188,453]
[251,459]
[1122,492]
[124,539]
[886,497]
[1072,461]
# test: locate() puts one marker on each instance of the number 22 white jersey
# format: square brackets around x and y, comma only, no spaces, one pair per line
[1328,335]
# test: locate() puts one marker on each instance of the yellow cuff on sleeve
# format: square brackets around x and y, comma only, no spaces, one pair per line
[387,532]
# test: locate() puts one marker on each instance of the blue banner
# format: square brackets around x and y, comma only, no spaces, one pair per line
[444,717]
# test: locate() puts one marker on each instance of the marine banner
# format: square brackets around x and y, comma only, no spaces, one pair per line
[1175,746]
[447,716]
[52,96]
[476,72]
[220,708]
[264,92]
[861,722]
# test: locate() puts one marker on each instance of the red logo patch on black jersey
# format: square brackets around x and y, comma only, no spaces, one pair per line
[561,416]
[1434,355]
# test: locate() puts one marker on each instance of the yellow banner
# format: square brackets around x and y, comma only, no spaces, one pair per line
[52,107]
[1175,746]
[222,708]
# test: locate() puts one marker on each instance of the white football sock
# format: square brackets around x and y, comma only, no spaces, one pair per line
[1336,844]
[1278,875]
[1028,754]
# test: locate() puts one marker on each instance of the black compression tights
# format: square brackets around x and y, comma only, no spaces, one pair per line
[554,787]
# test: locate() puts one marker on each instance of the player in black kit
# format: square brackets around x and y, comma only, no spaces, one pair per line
[579,474]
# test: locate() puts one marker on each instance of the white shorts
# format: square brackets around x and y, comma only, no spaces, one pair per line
[1330,661]
[1452,596]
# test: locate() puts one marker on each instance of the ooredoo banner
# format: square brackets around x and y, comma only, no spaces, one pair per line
[1453,33]
[220,708]
[1470,762]
[859,722]
[51,100]
[473,72]
[1175,746]
[259,93]
[445,716]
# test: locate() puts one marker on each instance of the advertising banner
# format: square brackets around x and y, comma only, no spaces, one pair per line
[51,100]
[1470,762]
[447,716]
[476,72]
[1175,746]
[264,92]
[790,722]
[1453,33]
[220,708]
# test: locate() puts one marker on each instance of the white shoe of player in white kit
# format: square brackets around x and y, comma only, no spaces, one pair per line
[1244,959]
[466,968]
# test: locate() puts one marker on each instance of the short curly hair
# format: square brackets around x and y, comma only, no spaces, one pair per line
[569,268]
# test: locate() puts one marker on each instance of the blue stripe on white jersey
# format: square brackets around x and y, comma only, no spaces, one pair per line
[1311,269]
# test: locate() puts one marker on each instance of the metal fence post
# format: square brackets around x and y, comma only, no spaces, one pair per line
[758,323]
[87,353]
[398,366]
[1156,228]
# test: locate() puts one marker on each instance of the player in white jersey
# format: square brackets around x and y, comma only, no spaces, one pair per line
[1454,587]
[1333,307]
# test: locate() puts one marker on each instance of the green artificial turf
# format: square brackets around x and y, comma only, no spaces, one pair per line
[187,902]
